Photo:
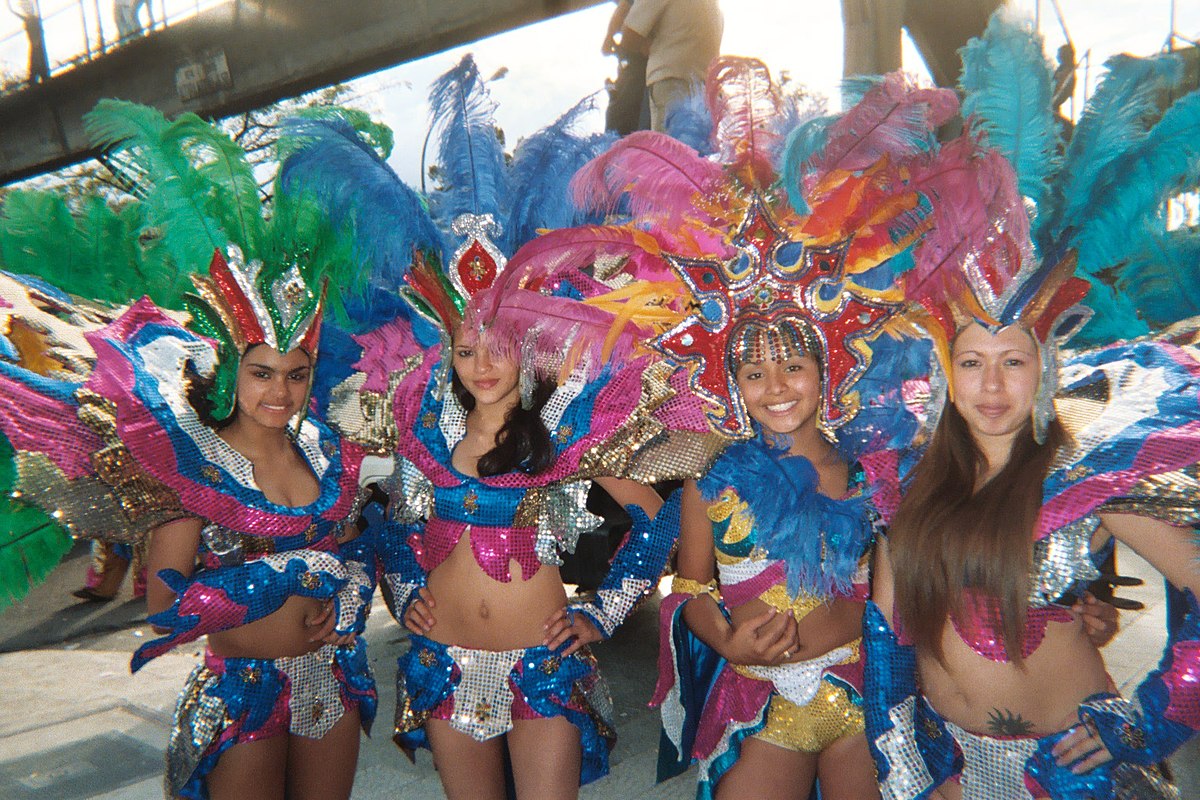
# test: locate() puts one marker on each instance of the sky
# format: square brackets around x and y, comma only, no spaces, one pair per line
[552,65]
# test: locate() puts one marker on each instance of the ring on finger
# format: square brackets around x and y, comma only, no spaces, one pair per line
[787,654]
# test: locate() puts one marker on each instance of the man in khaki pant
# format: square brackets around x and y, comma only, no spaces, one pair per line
[680,38]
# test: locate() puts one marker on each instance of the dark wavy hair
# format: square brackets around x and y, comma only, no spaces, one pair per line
[523,443]
[197,393]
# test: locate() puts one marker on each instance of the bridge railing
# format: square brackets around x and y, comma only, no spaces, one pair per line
[78,31]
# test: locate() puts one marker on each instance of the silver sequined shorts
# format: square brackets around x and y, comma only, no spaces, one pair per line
[228,701]
[994,768]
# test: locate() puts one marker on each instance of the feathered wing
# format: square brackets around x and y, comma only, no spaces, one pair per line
[471,169]
[1006,82]
[31,543]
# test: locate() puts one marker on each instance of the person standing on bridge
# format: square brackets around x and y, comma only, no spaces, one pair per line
[129,24]
[30,13]
[680,38]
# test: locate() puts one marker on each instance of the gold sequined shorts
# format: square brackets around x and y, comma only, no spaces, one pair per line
[810,728]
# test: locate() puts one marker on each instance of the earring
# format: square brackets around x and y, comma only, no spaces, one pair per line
[525,374]
[1043,412]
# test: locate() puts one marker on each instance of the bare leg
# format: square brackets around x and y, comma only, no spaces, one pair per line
[947,791]
[846,771]
[766,770]
[323,769]
[254,769]
[468,769]
[546,758]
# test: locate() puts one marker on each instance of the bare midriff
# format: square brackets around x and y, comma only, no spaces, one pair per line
[282,633]
[823,628]
[475,611]
[1037,698]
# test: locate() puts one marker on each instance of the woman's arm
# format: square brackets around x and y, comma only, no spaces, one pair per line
[763,639]
[634,573]
[632,493]
[172,546]
[1173,551]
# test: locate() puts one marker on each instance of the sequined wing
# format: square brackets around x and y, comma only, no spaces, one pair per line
[1133,414]
[43,356]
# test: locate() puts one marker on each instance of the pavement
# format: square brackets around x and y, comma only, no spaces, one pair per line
[74,724]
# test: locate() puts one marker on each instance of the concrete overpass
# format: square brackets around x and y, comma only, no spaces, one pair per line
[248,53]
[244,55]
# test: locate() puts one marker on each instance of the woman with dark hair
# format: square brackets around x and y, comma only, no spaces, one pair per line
[199,438]
[491,616]
[772,575]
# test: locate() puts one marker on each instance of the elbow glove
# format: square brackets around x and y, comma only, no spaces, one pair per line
[228,597]
[354,599]
[913,751]
[638,565]
[1169,700]
[401,572]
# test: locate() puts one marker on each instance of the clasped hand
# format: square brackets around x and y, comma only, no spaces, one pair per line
[768,639]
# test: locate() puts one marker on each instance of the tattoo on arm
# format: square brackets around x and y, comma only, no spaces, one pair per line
[1003,722]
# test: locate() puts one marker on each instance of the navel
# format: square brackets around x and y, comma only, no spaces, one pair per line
[484,613]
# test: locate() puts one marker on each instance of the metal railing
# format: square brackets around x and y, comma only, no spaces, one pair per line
[78,31]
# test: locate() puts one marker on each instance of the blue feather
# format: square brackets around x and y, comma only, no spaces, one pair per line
[1117,117]
[541,170]
[470,154]
[1132,187]
[361,194]
[1006,80]
[819,539]
[1163,280]
[689,122]
[855,88]
[884,422]
[805,140]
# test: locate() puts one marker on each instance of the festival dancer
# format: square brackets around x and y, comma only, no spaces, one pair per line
[773,554]
[201,436]
[981,683]
[497,423]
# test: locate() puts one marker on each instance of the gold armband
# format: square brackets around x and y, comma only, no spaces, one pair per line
[680,585]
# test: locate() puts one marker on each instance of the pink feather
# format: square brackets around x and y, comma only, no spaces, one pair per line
[744,105]
[658,174]
[565,329]
[557,253]
[893,119]
[978,218]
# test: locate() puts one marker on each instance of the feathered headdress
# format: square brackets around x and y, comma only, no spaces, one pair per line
[264,282]
[458,258]
[1037,221]
[754,246]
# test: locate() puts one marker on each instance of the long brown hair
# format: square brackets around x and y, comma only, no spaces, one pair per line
[946,537]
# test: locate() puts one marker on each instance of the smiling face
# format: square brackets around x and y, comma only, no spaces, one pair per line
[995,380]
[272,387]
[492,381]
[783,396]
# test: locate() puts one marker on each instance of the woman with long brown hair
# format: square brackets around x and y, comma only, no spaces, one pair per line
[983,680]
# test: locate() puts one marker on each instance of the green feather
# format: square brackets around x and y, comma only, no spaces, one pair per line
[31,544]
